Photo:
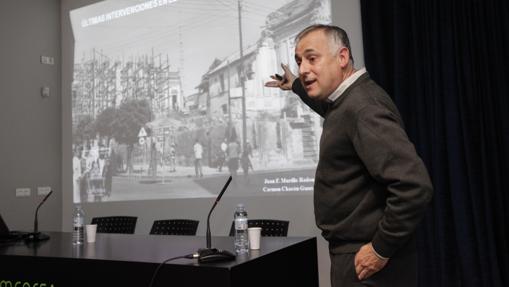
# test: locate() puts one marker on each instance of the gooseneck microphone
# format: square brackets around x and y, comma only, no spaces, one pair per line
[210,254]
[36,235]
[213,206]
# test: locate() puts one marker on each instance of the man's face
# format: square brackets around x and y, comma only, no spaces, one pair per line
[319,67]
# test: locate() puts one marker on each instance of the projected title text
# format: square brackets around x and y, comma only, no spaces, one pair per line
[125,12]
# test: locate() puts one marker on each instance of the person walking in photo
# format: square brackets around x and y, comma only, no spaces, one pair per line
[198,155]
[221,157]
[245,161]
[233,152]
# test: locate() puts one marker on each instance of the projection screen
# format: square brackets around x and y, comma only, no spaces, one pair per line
[168,99]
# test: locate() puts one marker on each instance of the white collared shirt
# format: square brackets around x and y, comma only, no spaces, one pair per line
[345,84]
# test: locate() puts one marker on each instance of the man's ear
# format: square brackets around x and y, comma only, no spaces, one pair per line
[343,56]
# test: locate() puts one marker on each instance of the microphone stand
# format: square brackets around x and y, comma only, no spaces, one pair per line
[210,254]
[36,235]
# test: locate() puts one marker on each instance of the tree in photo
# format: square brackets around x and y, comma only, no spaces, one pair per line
[129,118]
[104,123]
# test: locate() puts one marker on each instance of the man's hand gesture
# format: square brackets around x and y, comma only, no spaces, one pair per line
[283,82]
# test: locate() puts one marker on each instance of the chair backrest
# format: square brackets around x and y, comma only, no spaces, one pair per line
[115,224]
[270,227]
[174,227]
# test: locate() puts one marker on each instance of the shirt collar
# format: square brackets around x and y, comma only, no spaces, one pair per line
[345,84]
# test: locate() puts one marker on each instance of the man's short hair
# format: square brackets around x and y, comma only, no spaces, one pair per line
[335,34]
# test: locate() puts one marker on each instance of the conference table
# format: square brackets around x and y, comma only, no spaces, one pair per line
[132,259]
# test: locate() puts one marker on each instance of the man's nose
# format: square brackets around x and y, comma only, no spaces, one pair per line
[303,68]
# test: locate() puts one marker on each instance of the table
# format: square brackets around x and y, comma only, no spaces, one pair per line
[131,259]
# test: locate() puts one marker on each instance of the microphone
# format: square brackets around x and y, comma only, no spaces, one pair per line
[36,235]
[212,254]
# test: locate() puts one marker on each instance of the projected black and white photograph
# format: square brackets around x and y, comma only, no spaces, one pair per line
[168,99]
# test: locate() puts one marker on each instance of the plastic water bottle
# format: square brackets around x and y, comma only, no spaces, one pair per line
[78,225]
[241,239]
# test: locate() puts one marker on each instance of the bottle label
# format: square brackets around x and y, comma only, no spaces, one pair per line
[241,223]
[78,221]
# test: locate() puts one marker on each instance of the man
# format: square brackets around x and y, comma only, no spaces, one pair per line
[371,188]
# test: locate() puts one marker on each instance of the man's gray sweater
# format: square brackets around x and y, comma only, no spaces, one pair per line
[370,184]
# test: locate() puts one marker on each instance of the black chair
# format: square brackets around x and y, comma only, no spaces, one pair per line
[270,227]
[115,224]
[174,227]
